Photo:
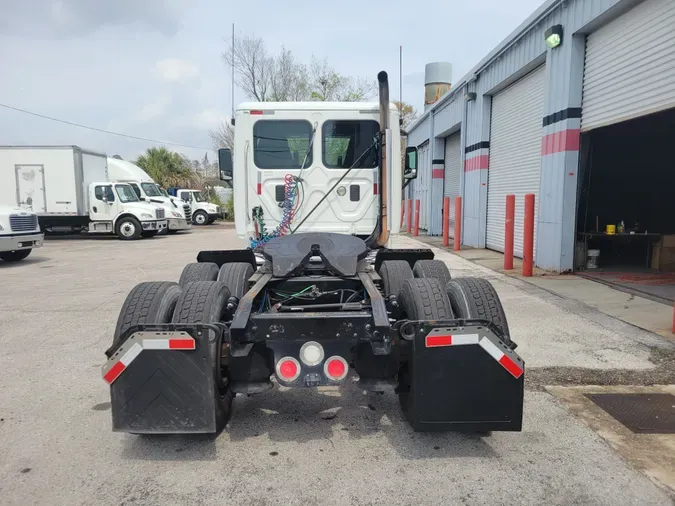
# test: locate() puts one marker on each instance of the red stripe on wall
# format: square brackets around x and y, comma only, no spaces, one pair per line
[437,174]
[477,163]
[565,140]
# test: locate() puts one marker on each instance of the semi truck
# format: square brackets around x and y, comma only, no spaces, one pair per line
[331,300]
[179,216]
[68,188]
[19,233]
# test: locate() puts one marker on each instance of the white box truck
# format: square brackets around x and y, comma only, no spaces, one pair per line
[178,214]
[19,233]
[68,188]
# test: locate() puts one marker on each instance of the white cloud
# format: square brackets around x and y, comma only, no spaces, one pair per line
[175,70]
[153,110]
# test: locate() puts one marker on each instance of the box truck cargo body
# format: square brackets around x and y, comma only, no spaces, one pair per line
[68,188]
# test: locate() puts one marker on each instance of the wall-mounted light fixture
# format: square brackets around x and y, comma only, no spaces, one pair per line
[554,36]
[470,96]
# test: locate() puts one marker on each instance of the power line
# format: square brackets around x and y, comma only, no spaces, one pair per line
[102,130]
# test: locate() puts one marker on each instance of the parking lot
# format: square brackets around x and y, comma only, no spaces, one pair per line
[333,446]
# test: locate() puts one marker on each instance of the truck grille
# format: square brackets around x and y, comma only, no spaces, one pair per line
[159,213]
[19,223]
[188,212]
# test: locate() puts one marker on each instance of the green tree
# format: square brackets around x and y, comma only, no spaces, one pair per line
[168,168]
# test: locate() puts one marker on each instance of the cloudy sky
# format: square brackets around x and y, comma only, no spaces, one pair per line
[152,68]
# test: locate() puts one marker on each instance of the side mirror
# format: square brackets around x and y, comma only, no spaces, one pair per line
[410,171]
[225,164]
[104,198]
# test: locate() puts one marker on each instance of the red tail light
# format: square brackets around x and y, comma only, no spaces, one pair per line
[288,369]
[336,368]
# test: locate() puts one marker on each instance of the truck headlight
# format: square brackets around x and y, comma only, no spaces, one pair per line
[147,216]
[175,214]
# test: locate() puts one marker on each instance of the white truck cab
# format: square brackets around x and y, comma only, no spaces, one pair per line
[19,233]
[326,155]
[178,214]
[115,207]
[203,212]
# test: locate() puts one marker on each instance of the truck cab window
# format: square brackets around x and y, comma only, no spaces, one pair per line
[281,144]
[185,196]
[347,143]
[137,190]
[126,193]
[150,189]
[100,191]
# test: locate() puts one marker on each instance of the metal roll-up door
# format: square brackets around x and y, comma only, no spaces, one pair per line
[453,169]
[515,155]
[630,66]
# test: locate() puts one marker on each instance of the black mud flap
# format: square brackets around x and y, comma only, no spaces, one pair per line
[462,378]
[163,380]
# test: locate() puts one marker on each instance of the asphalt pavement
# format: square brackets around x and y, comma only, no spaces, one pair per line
[286,447]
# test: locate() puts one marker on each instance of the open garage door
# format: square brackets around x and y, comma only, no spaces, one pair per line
[515,155]
[453,167]
[630,66]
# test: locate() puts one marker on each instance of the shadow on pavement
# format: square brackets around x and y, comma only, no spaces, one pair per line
[303,415]
[189,447]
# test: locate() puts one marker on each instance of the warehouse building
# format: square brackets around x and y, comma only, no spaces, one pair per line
[576,106]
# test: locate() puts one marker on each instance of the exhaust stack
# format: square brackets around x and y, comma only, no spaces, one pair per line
[383,82]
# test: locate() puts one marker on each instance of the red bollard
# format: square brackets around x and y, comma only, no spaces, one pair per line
[417,218]
[508,231]
[402,213]
[446,221]
[457,242]
[409,215]
[528,235]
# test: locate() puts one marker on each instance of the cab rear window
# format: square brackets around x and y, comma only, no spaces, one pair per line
[347,143]
[281,144]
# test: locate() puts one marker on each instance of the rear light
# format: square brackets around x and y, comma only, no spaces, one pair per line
[255,113]
[311,353]
[288,369]
[336,368]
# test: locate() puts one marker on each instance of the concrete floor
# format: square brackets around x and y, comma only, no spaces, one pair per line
[57,314]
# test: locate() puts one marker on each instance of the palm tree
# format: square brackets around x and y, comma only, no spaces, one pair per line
[167,168]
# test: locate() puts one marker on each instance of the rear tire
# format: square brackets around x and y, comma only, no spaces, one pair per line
[148,302]
[476,298]
[393,274]
[15,256]
[432,269]
[128,228]
[206,302]
[425,299]
[235,275]
[421,299]
[198,271]
[149,233]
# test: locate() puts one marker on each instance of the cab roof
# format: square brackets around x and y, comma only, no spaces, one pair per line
[313,106]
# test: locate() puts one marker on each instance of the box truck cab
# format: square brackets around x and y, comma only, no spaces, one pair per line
[19,233]
[203,212]
[68,188]
[115,207]
[178,214]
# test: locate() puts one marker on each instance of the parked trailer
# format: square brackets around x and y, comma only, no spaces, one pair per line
[68,188]
[311,309]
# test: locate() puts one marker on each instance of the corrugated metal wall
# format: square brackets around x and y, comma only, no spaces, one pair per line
[523,51]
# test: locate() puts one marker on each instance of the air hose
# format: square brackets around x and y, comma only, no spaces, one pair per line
[288,210]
